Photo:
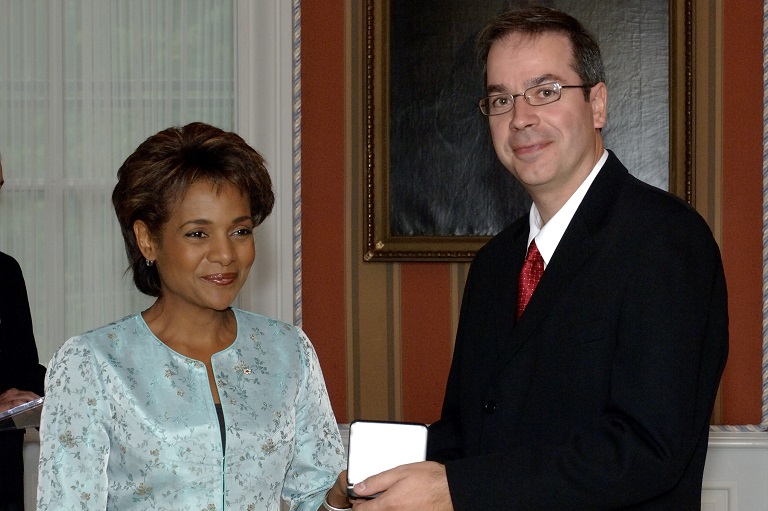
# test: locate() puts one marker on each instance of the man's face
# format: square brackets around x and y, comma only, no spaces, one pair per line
[551,148]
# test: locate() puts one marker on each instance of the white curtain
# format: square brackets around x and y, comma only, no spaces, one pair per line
[82,83]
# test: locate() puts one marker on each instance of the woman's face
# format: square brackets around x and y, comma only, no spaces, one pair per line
[205,249]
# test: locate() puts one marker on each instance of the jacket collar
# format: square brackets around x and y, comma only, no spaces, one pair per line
[575,248]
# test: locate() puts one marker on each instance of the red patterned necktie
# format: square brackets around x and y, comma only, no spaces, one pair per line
[533,268]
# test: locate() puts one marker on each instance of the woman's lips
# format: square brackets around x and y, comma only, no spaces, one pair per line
[221,279]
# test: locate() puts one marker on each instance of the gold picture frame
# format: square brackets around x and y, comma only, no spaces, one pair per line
[382,244]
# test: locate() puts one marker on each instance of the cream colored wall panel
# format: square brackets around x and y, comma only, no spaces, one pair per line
[718,496]
[736,471]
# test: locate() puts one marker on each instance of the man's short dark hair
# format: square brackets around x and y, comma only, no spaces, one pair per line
[534,21]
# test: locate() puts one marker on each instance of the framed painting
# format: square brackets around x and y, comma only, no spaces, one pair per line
[435,190]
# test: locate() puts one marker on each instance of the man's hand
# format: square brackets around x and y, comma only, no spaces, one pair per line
[419,486]
[15,397]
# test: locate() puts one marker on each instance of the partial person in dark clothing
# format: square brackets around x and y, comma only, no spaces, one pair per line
[21,375]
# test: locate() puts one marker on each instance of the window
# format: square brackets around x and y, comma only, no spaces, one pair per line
[82,83]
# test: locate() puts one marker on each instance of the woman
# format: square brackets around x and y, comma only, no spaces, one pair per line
[190,404]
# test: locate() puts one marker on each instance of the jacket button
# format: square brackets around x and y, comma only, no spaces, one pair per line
[490,406]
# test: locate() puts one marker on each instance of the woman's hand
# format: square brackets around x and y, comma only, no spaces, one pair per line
[337,495]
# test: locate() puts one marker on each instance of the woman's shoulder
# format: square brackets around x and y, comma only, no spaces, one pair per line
[258,322]
[127,323]
[262,328]
[109,335]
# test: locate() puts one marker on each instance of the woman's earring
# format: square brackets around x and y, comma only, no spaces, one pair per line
[150,262]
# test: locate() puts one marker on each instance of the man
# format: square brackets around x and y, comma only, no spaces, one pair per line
[19,369]
[599,395]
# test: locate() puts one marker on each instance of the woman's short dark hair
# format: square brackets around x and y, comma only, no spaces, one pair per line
[534,21]
[161,170]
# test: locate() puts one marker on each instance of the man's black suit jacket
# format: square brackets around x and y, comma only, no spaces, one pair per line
[600,396]
[19,368]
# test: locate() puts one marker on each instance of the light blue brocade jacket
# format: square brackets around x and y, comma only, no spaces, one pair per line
[129,423]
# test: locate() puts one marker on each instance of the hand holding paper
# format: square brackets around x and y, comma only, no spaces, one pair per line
[376,446]
[15,397]
[413,487]
[25,415]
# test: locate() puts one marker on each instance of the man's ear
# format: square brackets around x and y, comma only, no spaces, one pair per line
[598,98]
[144,240]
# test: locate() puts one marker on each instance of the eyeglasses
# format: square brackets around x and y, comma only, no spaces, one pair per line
[538,95]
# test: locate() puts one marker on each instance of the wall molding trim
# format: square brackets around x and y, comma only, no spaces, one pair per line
[738,440]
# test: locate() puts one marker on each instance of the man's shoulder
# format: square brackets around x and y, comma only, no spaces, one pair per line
[618,194]
[8,263]
[496,258]
[506,239]
[11,277]
[649,204]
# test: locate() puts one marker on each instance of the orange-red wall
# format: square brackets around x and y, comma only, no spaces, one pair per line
[426,330]
[742,205]
[322,189]
[426,338]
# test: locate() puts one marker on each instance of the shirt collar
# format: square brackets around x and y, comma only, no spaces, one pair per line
[548,236]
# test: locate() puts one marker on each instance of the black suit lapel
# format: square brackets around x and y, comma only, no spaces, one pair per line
[579,243]
[573,251]
[504,315]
